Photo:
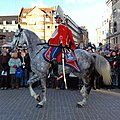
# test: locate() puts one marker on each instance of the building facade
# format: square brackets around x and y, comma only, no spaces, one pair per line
[42,22]
[114,23]
[80,33]
[39,20]
[103,31]
[98,35]
[8,25]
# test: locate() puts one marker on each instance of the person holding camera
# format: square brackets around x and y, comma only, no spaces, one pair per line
[24,78]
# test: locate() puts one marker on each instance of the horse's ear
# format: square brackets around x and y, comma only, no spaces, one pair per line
[19,27]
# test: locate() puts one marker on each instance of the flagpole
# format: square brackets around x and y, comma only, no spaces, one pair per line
[63,64]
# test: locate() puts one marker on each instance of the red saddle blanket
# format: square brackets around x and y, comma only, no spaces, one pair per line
[69,57]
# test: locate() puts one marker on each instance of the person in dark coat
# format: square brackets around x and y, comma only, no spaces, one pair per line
[118,68]
[4,68]
[25,60]
[113,63]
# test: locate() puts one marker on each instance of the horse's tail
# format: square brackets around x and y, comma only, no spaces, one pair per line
[103,68]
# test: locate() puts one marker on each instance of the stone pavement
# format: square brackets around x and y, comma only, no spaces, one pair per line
[61,105]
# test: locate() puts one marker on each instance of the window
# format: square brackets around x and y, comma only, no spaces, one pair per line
[47,20]
[7,22]
[56,27]
[73,26]
[24,20]
[16,22]
[114,12]
[105,21]
[40,26]
[31,21]
[1,22]
[110,27]
[115,27]
[9,39]
[41,34]
[24,14]
[48,34]
[4,39]
[14,29]
[4,29]
[116,40]
[48,27]
[31,28]
[9,30]
[103,32]
[102,23]
[40,19]
[4,22]
[13,22]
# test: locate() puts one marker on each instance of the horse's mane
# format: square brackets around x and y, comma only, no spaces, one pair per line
[32,36]
[34,41]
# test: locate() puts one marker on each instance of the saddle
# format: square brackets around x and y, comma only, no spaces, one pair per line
[59,43]
[69,57]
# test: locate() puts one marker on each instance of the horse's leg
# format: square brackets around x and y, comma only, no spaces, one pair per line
[32,80]
[43,101]
[85,92]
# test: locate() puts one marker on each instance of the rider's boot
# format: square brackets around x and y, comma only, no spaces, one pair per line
[55,68]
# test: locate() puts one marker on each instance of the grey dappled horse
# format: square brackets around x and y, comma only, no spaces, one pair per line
[86,61]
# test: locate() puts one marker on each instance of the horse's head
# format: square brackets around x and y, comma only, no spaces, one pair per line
[19,38]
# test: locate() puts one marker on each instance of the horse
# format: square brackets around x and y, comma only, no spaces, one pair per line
[87,62]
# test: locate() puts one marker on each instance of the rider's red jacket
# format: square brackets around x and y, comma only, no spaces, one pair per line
[64,37]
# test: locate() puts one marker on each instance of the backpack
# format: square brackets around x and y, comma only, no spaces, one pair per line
[18,73]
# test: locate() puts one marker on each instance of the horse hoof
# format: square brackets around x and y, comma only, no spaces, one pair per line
[39,106]
[79,105]
[38,98]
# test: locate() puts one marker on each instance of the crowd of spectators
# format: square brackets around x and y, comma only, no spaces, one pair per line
[9,62]
[113,57]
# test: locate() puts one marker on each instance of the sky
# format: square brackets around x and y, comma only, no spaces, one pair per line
[84,12]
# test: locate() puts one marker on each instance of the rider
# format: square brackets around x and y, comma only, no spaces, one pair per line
[61,39]
[63,36]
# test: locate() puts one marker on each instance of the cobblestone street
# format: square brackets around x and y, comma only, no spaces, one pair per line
[61,105]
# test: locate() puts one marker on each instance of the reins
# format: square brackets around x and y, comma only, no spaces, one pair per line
[42,44]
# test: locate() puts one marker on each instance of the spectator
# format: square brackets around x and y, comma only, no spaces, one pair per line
[107,46]
[4,67]
[89,49]
[99,47]
[107,55]
[113,64]
[0,67]
[14,62]
[25,62]
[118,68]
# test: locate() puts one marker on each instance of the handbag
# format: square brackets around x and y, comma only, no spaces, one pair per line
[18,73]
[4,73]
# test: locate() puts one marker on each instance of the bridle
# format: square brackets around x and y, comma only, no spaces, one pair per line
[17,41]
